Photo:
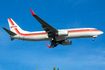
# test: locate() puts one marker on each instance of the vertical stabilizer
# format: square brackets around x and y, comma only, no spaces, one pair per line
[13,26]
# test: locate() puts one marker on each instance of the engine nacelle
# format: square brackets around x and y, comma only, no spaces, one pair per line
[62,33]
[67,42]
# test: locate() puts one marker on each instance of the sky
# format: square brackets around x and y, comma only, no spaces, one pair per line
[83,54]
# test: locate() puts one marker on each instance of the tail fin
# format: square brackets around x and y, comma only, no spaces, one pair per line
[13,25]
[14,29]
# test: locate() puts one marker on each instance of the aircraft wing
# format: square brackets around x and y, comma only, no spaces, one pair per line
[53,44]
[48,28]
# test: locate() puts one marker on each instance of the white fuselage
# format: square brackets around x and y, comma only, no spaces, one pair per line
[51,34]
[72,33]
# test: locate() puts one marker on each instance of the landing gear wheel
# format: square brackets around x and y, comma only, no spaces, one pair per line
[93,39]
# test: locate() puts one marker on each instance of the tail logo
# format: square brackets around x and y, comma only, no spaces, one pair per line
[13,26]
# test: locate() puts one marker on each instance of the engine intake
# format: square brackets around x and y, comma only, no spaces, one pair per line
[67,42]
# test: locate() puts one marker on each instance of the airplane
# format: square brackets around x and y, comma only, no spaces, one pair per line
[51,34]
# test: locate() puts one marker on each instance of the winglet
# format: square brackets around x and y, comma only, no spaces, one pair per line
[48,45]
[32,12]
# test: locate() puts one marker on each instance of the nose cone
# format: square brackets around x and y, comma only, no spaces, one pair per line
[101,32]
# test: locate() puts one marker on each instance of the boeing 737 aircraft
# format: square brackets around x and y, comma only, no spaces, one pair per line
[51,34]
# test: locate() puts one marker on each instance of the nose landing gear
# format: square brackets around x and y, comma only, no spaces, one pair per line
[93,39]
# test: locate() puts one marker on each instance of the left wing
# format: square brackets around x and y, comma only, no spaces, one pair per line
[52,32]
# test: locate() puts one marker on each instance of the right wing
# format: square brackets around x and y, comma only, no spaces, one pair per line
[52,32]
[53,44]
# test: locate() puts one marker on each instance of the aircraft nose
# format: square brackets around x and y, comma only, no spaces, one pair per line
[101,32]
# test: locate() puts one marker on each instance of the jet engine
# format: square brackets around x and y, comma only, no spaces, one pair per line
[67,42]
[62,33]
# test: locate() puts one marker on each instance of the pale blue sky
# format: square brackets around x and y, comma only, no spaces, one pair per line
[83,54]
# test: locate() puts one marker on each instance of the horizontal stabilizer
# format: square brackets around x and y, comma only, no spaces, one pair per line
[9,32]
